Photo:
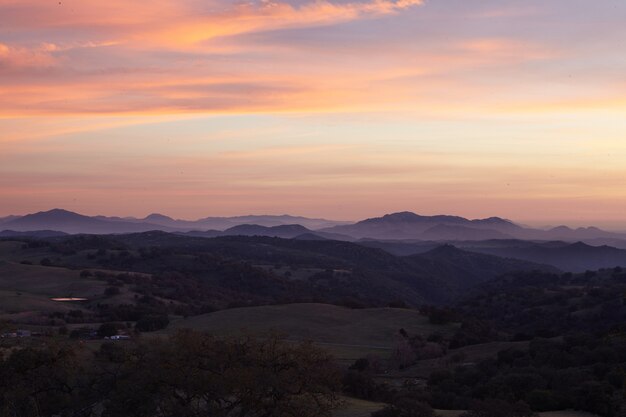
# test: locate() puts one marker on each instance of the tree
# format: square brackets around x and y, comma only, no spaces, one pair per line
[152,323]
[111,291]
[498,408]
[43,382]
[406,407]
[107,330]
[195,374]
[189,374]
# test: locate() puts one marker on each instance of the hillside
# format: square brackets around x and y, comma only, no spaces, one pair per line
[373,273]
[574,257]
[258,270]
[541,304]
[322,323]
[26,290]
[464,269]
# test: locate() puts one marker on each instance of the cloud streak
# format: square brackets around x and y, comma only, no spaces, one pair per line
[270,15]
[93,57]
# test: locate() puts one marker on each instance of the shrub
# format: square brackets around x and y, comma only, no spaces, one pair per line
[152,323]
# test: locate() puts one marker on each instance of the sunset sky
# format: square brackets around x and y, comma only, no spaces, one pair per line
[337,109]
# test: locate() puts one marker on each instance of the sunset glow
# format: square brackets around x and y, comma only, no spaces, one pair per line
[337,109]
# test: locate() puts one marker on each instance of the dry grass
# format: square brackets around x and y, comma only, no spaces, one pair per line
[565,413]
[46,281]
[348,334]
[28,288]
[328,324]
[353,407]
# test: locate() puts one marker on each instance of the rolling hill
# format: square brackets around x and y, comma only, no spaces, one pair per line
[464,269]
[566,256]
[283,231]
[322,323]
[344,269]
[34,233]
[573,257]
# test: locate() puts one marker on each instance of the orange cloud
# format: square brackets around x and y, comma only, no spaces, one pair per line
[270,15]
[120,57]
[186,57]
[166,22]
[15,58]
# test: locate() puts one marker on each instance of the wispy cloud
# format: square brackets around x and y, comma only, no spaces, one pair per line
[19,58]
[124,57]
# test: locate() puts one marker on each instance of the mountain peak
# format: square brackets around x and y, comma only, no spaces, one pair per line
[400,217]
[157,216]
[495,221]
[410,217]
[561,229]
[580,245]
[445,250]
[56,213]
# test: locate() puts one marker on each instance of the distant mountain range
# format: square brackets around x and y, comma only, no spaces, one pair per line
[41,234]
[396,226]
[285,231]
[223,223]
[567,256]
[407,225]
[74,223]
[573,257]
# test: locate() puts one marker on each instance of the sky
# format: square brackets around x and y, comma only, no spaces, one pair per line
[342,109]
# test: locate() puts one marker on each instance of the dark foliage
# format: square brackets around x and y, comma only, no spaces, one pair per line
[191,374]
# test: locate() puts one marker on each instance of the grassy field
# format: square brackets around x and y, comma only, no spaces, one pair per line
[323,323]
[353,407]
[28,288]
[14,251]
[566,413]
[10,249]
[46,281]
[348,334]
[296,274]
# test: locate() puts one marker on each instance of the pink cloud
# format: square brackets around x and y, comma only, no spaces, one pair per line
[14,58]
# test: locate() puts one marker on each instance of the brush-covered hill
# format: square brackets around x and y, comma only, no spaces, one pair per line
[259,269]
[322,323]
[574,257]
[465,269]
[537,304]
[566,256]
